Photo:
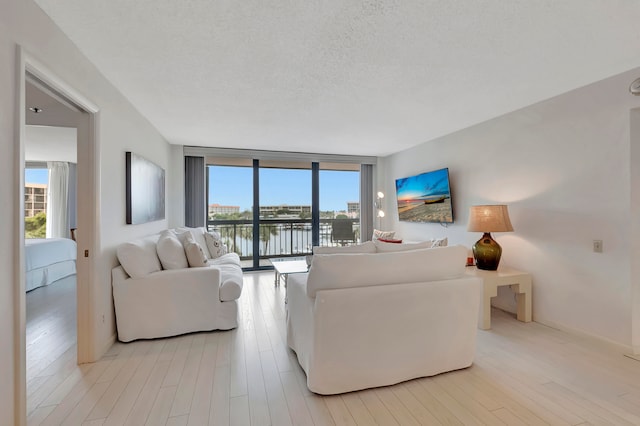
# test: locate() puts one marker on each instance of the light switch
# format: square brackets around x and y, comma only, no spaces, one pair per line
[597,246]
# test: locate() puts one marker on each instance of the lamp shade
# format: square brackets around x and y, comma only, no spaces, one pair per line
[492,218]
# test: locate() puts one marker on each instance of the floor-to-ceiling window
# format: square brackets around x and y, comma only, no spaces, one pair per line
[339,203]
[36,180]
[230,193]
[285,196]
[265,208]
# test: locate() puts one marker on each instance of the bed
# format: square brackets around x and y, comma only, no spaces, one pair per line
[48,260]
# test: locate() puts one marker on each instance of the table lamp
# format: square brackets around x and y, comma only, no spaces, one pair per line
[487,219]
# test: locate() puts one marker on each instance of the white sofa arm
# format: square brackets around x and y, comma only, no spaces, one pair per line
[175,301]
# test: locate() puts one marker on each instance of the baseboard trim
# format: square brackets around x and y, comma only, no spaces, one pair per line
[618,347]
[107,345]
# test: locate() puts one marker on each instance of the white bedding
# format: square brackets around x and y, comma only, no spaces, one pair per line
[48,260]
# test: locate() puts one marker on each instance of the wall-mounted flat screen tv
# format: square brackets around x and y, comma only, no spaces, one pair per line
[425,197]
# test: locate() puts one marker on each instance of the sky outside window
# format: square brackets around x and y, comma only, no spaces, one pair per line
[282,186]
[285,186]
[337,188]
[231,186]
[36,176]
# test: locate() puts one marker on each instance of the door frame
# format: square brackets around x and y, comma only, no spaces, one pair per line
[88,218]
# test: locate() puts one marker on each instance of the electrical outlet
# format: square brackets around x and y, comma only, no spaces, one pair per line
[103,318]
[597,246]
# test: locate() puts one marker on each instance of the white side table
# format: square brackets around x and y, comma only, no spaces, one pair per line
[519,281]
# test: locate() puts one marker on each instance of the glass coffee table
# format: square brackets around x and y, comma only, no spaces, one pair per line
[284,266]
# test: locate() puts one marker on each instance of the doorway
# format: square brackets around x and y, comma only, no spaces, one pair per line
[50,253]
[85,120]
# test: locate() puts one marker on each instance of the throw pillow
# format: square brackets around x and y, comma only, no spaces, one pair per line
[439,242]
[377,234]
[214,244]
[185,237]
[394,241]
[139,258]
[195,255]
[171,251]
[198,236]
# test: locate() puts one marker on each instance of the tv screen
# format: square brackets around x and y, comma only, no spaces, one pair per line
[425,197]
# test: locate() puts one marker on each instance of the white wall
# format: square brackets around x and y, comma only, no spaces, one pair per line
[634,116]
[121,128]
[563,167]
[175,187]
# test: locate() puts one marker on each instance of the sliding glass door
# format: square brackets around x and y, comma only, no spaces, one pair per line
[230,207]
[267,209]
[339,204]
[285,210]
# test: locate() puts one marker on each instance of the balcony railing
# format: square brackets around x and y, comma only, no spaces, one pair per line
[283,237]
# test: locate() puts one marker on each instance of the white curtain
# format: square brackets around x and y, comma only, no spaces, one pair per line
[57,196]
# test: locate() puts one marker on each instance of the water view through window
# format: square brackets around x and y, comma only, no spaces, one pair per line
[284,219]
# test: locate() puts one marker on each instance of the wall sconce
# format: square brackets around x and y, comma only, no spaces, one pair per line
[378,204]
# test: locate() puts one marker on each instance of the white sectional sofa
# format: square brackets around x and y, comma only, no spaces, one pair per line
[170,283]
[368,319]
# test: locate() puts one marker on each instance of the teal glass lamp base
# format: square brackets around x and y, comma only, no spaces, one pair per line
[487,253]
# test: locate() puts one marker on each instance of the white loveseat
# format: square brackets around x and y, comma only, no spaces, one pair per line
[362,320]
[157,294]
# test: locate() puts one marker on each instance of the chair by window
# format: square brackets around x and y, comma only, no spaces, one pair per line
[342,232]
[73,233]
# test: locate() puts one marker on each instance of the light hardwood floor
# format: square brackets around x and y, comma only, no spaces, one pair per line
[523,374]
[50,336]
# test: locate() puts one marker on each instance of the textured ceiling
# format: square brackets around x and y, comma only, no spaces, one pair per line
[350,77]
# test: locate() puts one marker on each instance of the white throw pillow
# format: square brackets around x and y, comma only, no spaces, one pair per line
[198,236]
[366,247]
[171,251]
[383,247]
[139,258]
[387,235]
[439,242]
[214,244]
[195,255]
[184,236]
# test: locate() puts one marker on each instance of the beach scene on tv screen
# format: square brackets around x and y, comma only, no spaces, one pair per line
[425,197]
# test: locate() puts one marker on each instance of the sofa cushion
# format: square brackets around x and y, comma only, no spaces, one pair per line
[367,247]
[198,236]
[382,247]
[332,271]
[214,245]
[139,258]
[226,259]
[171,251]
